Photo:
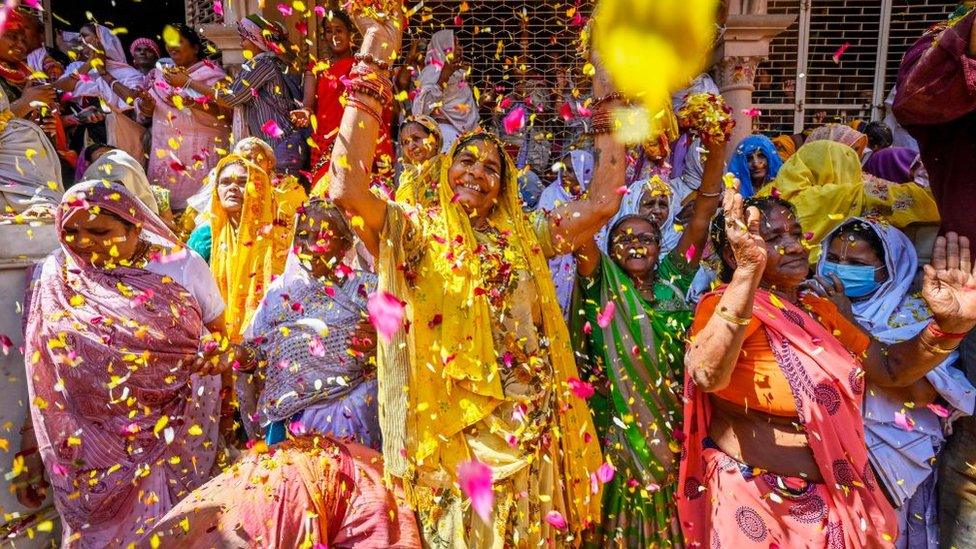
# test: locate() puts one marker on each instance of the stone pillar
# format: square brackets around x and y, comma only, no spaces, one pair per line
[744,44]
[736,77]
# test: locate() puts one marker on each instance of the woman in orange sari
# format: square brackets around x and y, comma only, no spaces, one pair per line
[774,450]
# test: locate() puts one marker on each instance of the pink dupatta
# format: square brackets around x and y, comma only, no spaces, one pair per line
[108,387]
[828,386]
[197,134]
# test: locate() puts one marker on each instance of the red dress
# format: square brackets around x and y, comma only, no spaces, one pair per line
[328,115]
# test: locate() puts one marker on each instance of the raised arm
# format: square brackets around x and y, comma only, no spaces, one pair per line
[355,145]
[575,223]
[695,232]
[715,350]
[949,289]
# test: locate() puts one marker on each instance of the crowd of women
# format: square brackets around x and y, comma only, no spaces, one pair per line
[290,308]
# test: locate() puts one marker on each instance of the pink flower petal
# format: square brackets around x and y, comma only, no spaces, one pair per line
[319,11]
[271,129]
[514,121]
[218,8]
[285,9]
[752,113]
[690,253]
[605,473]
[937,409]
[840,51]
[385,313]
[6,343]
[566,111]
[580,388]
[316,348]
[475,480]
[904,421]
[606,315]
[556,519]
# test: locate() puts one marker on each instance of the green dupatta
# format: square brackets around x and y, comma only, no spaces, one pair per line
[636,362]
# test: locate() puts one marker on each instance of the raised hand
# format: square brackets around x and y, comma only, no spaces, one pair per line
[949,285]
[742,230]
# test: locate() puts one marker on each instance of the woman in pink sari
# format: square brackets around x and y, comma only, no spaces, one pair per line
[774,451]
[123,399]
[179,115]
[310,491]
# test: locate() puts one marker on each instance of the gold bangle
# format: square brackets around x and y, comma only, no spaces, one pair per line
[934,349]
[728,317]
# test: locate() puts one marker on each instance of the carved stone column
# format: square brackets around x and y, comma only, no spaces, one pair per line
[744,44]
[736,77]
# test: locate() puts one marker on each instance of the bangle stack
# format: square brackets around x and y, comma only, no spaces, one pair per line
[369,79]
[603,119]
[732,319]
[933,329]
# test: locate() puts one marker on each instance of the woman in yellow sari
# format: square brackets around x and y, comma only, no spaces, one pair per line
[824,181]
[485,371]
[241,242]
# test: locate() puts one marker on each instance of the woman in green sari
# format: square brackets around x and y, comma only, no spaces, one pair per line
[631,315]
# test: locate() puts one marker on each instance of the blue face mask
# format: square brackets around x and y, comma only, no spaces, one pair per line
[858,279]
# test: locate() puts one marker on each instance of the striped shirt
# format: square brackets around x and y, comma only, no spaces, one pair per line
[262,93]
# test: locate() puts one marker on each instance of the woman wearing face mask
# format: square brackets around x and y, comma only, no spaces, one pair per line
[487,356]
[339,34]
[867,268]
[314,343]
[239,242]
[773,449]
[122,340]
[826,184]
[635,360]
[199,129]
[755,163]
[420,143]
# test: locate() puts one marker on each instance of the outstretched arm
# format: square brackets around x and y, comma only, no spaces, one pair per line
[355,145]
[575,223]
[695,232]
[949,289]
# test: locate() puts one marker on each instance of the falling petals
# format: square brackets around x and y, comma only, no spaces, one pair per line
[218,8]
[475,480]
[605,473]
[840,52]
[580,388]
[385,313]
[937,409]
[514,121]
[271,129]
[904,421]
[556,520]
[606,315]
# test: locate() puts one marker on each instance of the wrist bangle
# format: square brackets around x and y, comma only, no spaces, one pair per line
[933,328]
[934,349]
[26,452]
[710,195]
[729,317]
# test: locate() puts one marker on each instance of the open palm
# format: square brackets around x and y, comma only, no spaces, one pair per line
[949,286]
[742,230]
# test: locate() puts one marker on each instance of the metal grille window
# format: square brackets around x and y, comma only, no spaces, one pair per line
[201,12]
[802,85]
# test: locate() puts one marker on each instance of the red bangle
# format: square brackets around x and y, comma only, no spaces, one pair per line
[934,329]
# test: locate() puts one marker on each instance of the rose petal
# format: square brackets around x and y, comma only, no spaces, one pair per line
[605,473]
[556,519]
[271,129]
[475,480]
[904,421]
[606,315]
[514,121]
[385,313]
[580,388]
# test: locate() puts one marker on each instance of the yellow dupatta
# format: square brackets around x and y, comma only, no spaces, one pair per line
[244,259]
[824,181]
[440,376]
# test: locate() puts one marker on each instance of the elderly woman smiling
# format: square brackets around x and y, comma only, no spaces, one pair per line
[774,449]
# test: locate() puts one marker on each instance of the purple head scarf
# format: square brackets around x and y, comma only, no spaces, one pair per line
[892,164]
